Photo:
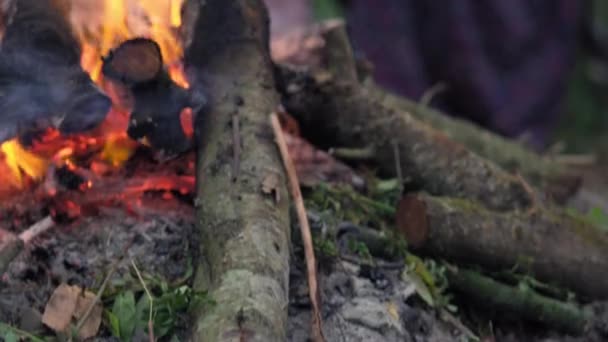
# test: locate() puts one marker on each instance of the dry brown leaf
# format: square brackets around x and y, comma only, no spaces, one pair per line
[270,186]
[93,322]
[60,307]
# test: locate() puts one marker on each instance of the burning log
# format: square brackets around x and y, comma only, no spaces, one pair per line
[552,245]
[137,65]
[244,230]
[41,82]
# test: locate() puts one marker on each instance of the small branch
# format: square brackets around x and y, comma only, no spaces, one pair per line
[37,229]
[102,288]
[150,298]
[236,147]
[521,301]
[398,170]
[11,245]
[354,154]
[311,263]
[431,93]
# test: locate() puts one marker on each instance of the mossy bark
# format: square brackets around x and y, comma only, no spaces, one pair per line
[334,108]
[551,245]
[542,171]
[519,302]
[244,231]
[343,114]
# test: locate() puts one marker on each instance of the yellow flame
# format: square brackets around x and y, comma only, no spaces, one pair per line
[102,26]
[20,161]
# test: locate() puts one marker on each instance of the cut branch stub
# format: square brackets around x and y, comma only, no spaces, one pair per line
[134,61]
[412,221]
[136,66]
[552,245]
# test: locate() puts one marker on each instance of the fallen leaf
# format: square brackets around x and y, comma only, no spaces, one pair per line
[60,307]
[422,289]
[270,186]
[93,322]
[393,311]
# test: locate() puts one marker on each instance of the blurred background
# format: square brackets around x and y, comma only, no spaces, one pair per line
[530,70]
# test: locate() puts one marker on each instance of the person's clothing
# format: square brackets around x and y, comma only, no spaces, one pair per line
[505,63]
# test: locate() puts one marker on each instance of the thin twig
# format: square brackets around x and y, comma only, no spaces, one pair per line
[102,288]
[236,149]
[37,229]
[150,298]
[355,154]
[534,201]
[311,264]
[431,93]
[13,246]
[398,169]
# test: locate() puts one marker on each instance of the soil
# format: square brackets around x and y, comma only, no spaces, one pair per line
[160,242]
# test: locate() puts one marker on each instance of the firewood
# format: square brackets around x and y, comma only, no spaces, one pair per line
[41,81]
[520,302]
[244,229]
[338,107]
[552,245]
[137,65]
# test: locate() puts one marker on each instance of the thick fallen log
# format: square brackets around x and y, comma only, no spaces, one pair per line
[334,108]
[519,302]
[337,57]
[553,246]
[554,178]
[242,199]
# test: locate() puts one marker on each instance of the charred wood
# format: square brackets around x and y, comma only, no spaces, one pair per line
[41,82]
[137,65]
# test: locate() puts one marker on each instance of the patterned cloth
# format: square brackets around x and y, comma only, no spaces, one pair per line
[505,63]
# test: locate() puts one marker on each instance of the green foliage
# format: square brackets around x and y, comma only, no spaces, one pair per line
[122,317]
[343,203]
[131,308]
[430,281]
[598,217]
[327,9]
[360,248]
[11,334]
[325,247]
[595,216]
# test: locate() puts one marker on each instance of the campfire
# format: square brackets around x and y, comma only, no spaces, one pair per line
[71,149]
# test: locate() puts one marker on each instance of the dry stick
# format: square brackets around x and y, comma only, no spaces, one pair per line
[150,298]
[37,229]
[13,247]
[102,288]
[236,149]
[304,229]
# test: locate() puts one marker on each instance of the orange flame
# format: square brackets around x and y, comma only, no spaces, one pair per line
[101,26]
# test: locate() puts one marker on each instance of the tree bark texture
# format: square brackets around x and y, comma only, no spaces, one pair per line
[553,246]
[245,230]
[344,114]
[519,302]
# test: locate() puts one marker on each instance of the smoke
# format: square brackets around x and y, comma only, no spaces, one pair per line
[35,93]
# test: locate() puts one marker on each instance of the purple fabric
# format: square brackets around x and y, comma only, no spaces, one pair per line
[506,63]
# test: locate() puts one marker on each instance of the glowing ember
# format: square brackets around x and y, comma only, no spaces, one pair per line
[101,26]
